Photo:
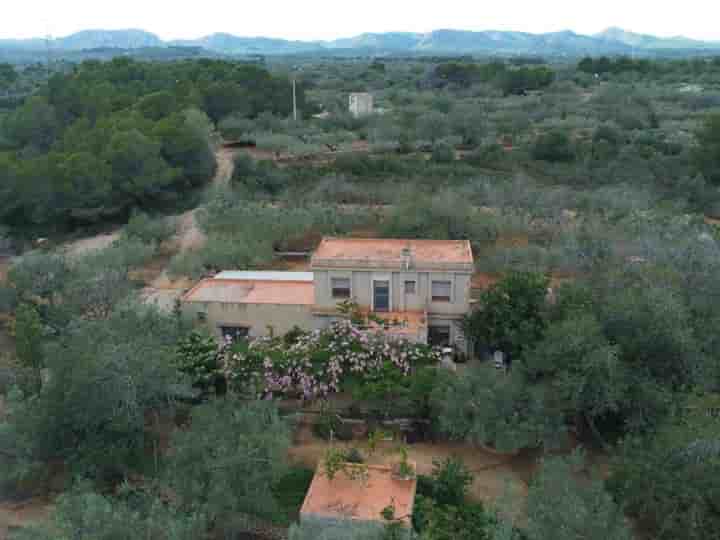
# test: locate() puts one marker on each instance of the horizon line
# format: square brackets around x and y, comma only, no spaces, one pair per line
[326,40]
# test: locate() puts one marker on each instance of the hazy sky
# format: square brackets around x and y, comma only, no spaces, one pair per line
[328,19]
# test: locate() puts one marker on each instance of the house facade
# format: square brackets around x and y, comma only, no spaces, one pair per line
[420,287]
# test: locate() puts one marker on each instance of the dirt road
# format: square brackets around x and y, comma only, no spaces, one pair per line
[225,166]
[189,236]
[162,290]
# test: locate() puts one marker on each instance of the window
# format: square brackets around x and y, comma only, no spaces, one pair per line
[439,336]
[340,287]
[201,316]
[410,287]
[234,333]
[441,291]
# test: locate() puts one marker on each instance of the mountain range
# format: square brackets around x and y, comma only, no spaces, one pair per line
[612,41]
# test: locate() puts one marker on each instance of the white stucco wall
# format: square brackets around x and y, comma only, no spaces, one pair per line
[361,289]
[256,317]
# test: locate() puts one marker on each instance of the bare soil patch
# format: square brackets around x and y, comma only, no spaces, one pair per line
[4,267]
[17,515]
[225,165]
[84,246]
[496,475]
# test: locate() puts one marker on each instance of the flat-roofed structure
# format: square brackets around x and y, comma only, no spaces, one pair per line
[237,291]
[255,305]
[393,253]
[360,104]
[360,500]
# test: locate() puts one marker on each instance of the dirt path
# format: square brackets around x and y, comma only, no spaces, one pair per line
[189,235]
[162,290]
[83,246]
[225,166]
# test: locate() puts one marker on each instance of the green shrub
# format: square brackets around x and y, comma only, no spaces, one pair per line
[259,176]
[468,521]
[443,153]
[553,147]
[446,216]
[364,166]
[327,425]
[353,455]
[488,155]
[197,356]
[290,490]
[148,230]
[451,480]
[236,127]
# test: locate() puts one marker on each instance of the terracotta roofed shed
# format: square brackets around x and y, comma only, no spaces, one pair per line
[343,498]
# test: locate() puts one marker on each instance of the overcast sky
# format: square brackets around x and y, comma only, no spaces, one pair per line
[328,19]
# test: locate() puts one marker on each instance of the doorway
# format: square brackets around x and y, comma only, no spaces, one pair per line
[381,296]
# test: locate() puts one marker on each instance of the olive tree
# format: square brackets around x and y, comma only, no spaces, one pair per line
[671,480]
[104,375]
[563,506]
[707,154]
[229,459]
[488,408]
[83,514]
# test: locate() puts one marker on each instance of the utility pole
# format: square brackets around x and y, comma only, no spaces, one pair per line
[48,52]
[294,102]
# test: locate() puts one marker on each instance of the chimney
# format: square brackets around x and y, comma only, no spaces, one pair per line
[406,258]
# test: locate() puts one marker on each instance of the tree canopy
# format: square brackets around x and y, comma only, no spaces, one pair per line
[109,136]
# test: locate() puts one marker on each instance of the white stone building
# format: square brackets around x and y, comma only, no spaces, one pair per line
[361,104]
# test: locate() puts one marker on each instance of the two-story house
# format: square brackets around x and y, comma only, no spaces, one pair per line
[425,283]
[421,287]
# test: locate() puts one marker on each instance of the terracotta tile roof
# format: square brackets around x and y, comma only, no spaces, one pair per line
[392,251]
[353,499]
[238,291]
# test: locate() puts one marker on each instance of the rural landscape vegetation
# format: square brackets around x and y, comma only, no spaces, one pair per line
[585,173]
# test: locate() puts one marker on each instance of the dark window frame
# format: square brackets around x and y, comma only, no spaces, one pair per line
[342,293]
[235,332]
[439,330]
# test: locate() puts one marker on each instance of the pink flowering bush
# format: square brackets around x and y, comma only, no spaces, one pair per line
[317,364]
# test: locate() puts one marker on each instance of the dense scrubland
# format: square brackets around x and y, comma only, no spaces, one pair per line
[598,179]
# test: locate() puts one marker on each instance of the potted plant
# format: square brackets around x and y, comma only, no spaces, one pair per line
[403,469]
[337,460]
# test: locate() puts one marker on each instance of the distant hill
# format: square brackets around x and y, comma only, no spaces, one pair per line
[34,44]
[230,44]
[645,41]
[121,39]
[613,41]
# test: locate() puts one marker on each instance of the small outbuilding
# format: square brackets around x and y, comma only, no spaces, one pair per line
[362,501]
[361,104]
[252,304]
